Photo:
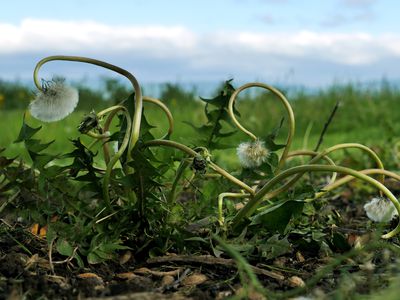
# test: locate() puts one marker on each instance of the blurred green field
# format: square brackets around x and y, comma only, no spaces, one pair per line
[368,116]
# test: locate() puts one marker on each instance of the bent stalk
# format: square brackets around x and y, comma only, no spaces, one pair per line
[137,115]
[285,103]
[251,206]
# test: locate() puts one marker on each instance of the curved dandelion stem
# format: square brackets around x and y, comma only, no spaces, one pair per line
[106,147]
[321,155]
[362,147]
[284,101]
[221,198]
[137,115]
[193,153]
[166,111]
[118,154]
[251,206]
[349,178]
[313,153]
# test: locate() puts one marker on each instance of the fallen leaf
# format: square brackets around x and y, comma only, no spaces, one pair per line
[194,279]
[296,281]
[89,276]
[34,229]
[300,257]
[167,280]
[126,275]
[125,257]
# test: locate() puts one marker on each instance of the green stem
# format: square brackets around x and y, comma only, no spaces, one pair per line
[364,148]
[221,197]
[313,153]
[292,181]
[111,111]
[321,155]
[286,105]
[116,157]
[167,113]
[251,206]
[106,148]
[181,169]
[134,134]
[349,178]
[97,135]
[193,153]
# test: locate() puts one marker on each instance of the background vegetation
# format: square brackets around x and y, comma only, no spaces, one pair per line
[365,115]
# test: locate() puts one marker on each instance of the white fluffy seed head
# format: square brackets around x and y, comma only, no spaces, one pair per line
[55,102]
[252,154]
[380,209]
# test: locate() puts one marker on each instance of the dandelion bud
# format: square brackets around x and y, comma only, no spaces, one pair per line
[199,164]
[54,102]
[88,123]
[252,154]
[380,209]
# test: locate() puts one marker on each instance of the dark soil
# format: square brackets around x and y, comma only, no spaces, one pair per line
[27,273]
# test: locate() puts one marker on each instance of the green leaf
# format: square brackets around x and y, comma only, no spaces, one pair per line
[83,162]
[317,235]
[26,132]
[64,247]
[270,139]
[196,239]
[216,111]
[35,146]
[244,249]
[277,217]
[51,233]
[274,247]
[93,258]
[222,99]
[111,247]
[40,160]
[79,260]
[52,171]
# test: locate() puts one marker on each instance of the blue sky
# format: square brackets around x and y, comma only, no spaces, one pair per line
[308,42]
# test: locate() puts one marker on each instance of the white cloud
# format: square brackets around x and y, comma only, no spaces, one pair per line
[50,35]
[154,49]
[342,48]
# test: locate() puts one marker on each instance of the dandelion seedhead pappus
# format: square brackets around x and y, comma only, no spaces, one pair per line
[380,209]
[252,154]
[54,102]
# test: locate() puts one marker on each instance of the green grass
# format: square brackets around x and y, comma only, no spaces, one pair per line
[364,116]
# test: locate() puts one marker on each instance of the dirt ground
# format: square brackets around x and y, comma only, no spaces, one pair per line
[26,272]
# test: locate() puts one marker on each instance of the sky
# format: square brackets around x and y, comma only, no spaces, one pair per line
[310,42]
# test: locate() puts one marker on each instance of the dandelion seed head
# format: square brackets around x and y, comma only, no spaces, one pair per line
[380,209]
[252,154]
[54,102]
